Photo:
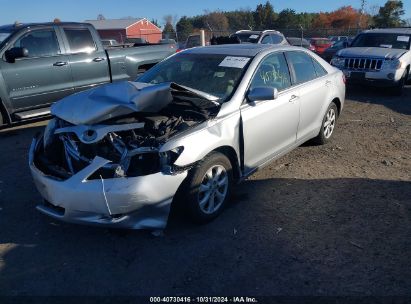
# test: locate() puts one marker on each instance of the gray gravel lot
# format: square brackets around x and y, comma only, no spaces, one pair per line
[323,220]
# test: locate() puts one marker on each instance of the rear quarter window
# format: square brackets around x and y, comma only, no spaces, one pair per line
[80,40]
[319,69]
[302,66]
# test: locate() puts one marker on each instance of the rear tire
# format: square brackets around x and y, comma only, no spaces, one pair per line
[207,188]
[327,125]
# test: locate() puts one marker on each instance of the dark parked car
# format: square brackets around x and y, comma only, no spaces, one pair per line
[295,41]
[329,53]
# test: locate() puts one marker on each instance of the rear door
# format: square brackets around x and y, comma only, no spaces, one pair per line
[315,87]
[41,78]
[270,126]
[88,60]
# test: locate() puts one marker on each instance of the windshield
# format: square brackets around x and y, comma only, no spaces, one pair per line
[339,45]
[214,74]
[4,35]
[298,41]
[247,37]
[384,40]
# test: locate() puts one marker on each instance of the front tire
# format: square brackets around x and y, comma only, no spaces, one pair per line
[208,188]
[1,119]
[399,88]
[328,125]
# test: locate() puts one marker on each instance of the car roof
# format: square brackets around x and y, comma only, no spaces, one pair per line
[297,38]
[249,32]
[402,30]
[249,50]
[11,27]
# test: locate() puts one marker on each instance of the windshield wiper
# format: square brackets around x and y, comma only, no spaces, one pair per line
[195,92]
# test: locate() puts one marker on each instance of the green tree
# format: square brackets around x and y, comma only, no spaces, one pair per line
[390,14]
[287,19]
[184,28]
[240,19]
[264,16]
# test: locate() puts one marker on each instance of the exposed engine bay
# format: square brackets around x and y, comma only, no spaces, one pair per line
[130,141]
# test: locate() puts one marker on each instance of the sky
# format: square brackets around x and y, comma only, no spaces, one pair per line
[80,10]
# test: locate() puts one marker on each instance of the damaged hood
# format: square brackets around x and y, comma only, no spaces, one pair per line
[378,52]
[112,100]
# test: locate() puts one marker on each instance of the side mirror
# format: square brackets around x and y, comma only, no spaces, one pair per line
[262,93]
[16,52]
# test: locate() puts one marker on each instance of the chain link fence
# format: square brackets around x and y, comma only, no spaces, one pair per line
[288,32]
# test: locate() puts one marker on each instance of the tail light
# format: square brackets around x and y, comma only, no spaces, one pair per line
[344,79]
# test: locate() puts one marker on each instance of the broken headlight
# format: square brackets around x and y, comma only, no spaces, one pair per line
[48,135]
[168,158]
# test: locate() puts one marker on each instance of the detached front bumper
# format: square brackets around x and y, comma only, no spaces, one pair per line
[127,202]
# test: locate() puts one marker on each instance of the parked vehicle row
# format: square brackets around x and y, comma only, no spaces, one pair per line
[45,62]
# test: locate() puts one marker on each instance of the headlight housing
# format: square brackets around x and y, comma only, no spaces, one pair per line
[391,64]
[168,158]
[338,62]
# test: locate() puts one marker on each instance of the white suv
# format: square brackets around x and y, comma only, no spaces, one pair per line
[380,57]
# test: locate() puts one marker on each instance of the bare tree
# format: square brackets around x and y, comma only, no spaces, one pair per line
[216,21]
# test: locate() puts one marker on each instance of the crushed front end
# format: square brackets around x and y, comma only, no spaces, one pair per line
[112,172]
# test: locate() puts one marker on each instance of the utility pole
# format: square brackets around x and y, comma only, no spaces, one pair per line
[362,9]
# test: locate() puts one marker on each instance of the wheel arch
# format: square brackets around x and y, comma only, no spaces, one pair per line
[337,102]
[231,154]
[4,112]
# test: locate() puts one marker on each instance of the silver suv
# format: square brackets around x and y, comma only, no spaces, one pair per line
[263,37]
[379,57]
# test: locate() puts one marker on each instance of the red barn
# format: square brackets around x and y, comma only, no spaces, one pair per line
[121,29]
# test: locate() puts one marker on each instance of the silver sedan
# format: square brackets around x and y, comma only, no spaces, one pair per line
[184,132]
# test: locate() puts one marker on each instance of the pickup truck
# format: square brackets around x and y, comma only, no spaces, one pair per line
[43,62]
[378,57]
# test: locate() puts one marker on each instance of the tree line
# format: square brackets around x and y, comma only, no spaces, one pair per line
[264,17]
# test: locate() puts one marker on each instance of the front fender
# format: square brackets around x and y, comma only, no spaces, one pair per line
[215,133]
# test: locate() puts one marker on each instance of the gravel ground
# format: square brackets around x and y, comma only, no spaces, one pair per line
[323,220]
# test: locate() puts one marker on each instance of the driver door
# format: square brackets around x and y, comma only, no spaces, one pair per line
[41,78]
[270,126]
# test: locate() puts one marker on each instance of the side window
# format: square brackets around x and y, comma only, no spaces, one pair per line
[80,40]
[273,73]
[266,40]
[39,43]
[319,69]
[302,65]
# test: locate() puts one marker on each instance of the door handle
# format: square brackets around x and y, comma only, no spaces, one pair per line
[98,59]
[328,82]
[293,98]
[60,63]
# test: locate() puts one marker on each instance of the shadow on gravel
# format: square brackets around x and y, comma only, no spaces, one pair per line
[382,96]
[277,237]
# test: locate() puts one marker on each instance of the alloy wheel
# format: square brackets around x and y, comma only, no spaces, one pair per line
[213,189]
[329,123]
